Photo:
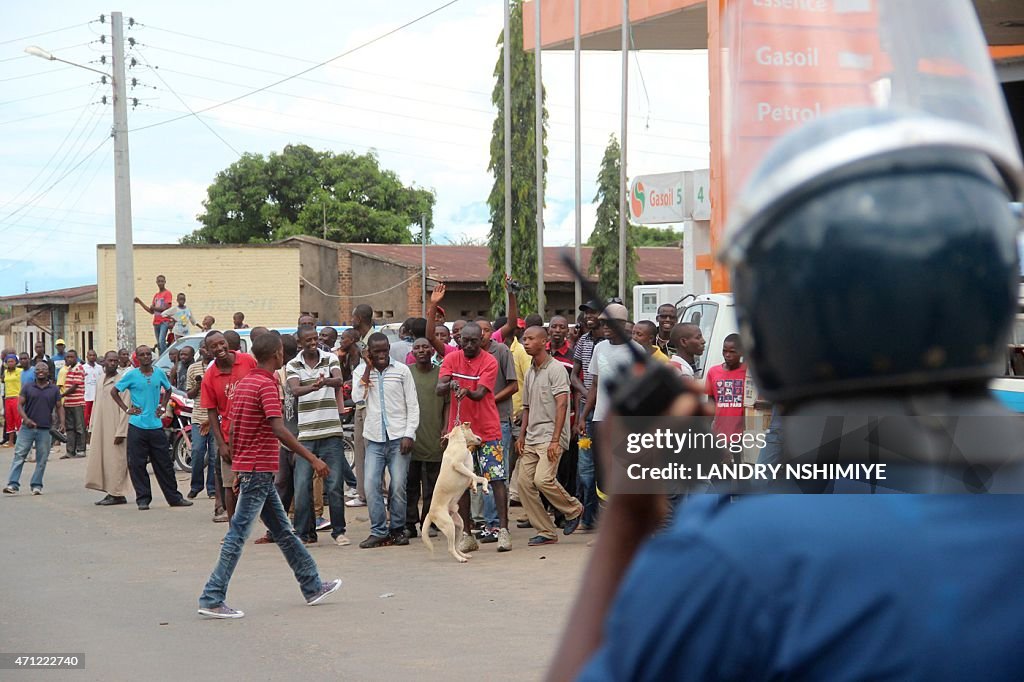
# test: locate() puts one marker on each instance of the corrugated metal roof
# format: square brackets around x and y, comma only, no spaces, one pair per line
[655,264]
[57,296]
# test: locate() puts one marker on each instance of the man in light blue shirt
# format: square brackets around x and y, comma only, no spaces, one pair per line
[146,439]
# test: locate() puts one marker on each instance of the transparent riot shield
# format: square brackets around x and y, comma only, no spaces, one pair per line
[916,72]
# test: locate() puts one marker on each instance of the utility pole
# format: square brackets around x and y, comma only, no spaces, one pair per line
[538,85]
[506,77]
[578,143]
[125,320]
[423,264]
[325,221]
[623,188]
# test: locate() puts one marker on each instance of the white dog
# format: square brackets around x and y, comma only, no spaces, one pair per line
[455,478]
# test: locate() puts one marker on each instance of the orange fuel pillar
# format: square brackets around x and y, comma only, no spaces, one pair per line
[719,273]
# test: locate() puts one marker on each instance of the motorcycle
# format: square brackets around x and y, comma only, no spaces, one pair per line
[177,424]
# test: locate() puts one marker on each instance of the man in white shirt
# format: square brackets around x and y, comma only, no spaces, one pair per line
[609,358]
[688,341]
[93,375]
[392,415]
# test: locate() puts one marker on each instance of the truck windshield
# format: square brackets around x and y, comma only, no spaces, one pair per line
[703,315]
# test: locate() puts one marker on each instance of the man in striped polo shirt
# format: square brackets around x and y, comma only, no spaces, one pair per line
[314,377]
[73,394]
[257,428]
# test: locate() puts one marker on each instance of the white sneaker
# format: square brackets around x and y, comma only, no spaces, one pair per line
[37,491]
[504,540]
[355,502]
[11,490]
[468,543]
[342,541]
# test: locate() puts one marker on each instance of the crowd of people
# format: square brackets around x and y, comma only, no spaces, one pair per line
[499,376]
[533,390]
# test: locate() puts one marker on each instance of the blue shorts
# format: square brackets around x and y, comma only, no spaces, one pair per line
[490,460]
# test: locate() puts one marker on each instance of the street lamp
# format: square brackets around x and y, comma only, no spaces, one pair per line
[125,319]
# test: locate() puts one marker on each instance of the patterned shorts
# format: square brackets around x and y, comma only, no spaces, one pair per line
[490,460]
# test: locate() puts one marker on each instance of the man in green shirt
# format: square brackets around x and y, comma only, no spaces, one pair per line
[426,452]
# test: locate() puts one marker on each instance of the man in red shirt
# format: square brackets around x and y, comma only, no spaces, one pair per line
[162,301]
[559,346]
[470,374]
[725,387]
[229,367]
[256,432]
[74,406]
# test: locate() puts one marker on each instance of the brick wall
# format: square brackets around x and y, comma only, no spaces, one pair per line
[414,293]
[260,280]
[345,303]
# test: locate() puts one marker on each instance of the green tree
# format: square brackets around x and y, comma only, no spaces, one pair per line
[644,235]
[300,191]
[604,261]
[524,172]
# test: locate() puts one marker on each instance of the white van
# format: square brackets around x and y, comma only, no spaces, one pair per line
[715,315]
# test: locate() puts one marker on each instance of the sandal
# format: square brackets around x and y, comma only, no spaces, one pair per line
[265,540]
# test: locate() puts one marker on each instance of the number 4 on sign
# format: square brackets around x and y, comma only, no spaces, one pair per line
[700,194]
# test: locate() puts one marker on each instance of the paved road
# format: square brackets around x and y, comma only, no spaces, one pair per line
[121,586]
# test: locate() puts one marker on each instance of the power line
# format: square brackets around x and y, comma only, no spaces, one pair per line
[419,119]
[35,116]
[60,223]
[108,216]
[185,104]
[44,33]
[55,151]
[37,73]
[311,68]
[322,82]
[45,94]
[280,55]
[55,182]
[58,49]
[378,75]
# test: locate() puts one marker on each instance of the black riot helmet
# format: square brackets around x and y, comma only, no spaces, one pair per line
[903,275]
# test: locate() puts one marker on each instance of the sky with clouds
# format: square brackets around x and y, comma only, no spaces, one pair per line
[420,98]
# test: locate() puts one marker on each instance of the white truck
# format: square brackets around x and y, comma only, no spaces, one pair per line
[647,298]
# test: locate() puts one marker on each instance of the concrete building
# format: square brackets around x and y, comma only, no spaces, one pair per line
[69,314]
[261,280]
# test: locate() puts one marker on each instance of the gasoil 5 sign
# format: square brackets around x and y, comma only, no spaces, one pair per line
[669,197]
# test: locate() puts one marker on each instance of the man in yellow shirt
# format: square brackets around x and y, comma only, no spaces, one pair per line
[644,333]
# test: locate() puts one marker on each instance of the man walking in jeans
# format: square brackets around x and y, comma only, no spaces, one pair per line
[392,416]
[257,430]
[314,377]
[146,439]
[36,405]
[204,447]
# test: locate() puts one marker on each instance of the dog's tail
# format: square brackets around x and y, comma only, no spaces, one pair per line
[425,535]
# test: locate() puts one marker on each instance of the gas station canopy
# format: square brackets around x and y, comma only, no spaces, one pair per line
[683,24]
